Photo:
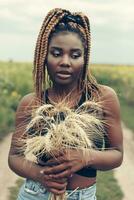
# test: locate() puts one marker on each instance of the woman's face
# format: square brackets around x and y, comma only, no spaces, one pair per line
[65,59]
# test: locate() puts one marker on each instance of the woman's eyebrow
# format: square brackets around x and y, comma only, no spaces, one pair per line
[61,49]
[76,49]
[55,47]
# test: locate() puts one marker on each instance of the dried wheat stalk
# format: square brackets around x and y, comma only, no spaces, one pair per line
[56,128]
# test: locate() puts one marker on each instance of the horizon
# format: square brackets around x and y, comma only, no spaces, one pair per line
[30,62]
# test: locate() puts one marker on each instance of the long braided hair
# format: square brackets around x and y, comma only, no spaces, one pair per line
[58,20]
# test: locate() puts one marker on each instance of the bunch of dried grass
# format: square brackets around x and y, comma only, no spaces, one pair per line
[56,128]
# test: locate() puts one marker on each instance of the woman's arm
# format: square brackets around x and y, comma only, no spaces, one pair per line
[18,163]
[113,156]
[100,160]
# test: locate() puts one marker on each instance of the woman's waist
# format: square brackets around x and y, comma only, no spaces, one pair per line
[80,182]
[87,191]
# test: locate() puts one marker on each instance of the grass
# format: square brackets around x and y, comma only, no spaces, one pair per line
[121,79]
[127,113]
[15,82]
[107,187]
[15,189]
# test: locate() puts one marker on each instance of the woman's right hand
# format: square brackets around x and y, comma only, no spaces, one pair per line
[55,186]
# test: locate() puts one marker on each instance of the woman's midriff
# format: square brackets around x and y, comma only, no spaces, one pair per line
[80,182]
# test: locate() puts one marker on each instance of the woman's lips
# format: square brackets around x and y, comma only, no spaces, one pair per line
[63,75]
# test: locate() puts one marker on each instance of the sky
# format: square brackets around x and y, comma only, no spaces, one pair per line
[112,27]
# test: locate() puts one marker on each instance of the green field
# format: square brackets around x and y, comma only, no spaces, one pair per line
[121,79]
[16,81]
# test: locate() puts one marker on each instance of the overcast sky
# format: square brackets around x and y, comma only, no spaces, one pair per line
[112,27]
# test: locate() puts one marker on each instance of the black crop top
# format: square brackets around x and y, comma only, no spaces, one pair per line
[89,171]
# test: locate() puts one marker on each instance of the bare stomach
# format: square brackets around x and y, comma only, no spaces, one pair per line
[80,182]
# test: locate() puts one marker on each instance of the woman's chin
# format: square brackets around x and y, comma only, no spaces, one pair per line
[63,80]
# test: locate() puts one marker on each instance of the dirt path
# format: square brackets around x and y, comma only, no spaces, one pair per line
[124,174]
[7,177]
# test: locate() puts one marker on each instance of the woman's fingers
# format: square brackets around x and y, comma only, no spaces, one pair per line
[66,173]
[56,160]
[55,185]
[55,169]
[61,180]
[52,162]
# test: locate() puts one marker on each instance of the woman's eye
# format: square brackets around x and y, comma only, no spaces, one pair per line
[55,53]
[75,56]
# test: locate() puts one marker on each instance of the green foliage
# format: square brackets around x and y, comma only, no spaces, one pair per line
[107,187]
[15,189]
[121,79]
[127,113]
[15,82]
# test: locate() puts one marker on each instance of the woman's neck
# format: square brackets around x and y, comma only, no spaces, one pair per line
[65,89]
[57,94]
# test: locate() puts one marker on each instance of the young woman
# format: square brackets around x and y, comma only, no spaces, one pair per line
[62,60]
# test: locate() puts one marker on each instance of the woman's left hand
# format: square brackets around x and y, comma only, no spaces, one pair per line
[66,164]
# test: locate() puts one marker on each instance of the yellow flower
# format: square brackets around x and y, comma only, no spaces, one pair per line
[14,94]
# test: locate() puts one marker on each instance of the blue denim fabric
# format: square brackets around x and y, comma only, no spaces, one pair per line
[31,190]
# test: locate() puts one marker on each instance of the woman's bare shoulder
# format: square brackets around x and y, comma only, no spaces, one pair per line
[110,100]
[27,100]
[25,107]
[108,94]
[107,91]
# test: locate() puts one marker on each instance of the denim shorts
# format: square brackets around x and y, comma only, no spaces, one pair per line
[32,190]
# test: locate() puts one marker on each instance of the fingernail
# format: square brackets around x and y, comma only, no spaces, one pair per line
[41,172]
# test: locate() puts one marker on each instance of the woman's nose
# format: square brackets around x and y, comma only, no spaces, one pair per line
[65,61]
